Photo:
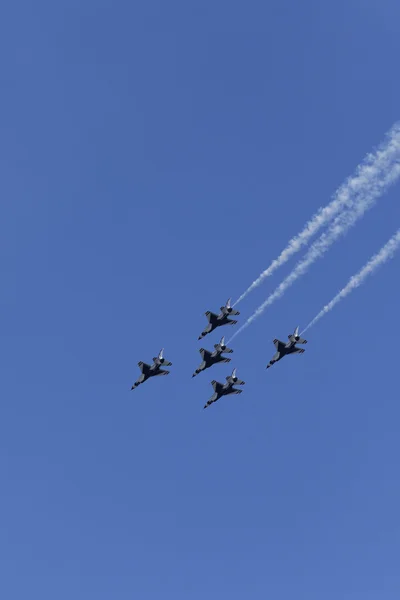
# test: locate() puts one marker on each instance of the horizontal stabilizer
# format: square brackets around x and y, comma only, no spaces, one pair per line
[161,361]
[223,350]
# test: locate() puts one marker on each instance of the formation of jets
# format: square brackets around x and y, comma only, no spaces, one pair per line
[214,357]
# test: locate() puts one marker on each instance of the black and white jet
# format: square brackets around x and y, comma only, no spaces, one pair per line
[152,370]
[215,321]
[212,358]
[224,389]
[287,348]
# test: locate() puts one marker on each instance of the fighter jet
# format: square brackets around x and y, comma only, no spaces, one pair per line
[212,358]
[215,321]
[224,389]
[152,370]
[288,348]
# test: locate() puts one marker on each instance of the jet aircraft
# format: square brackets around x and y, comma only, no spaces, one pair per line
[212,358]
[287,348]
[152,370]
[215,320]
[224,389]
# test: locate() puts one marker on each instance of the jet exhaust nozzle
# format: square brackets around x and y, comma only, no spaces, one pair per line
[228,305]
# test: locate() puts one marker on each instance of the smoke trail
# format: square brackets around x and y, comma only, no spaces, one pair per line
[376,261]
[365,175]
[365,200]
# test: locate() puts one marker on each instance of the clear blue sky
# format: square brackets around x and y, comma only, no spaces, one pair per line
[155,156]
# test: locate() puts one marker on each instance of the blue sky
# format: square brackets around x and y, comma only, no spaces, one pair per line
[155,157]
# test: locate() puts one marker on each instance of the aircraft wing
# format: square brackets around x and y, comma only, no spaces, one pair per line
[278,344]
[234,391]
[227,321]
[204,353]
[217,386]
[161,372]
[143,366]
[295,350]
[211,316]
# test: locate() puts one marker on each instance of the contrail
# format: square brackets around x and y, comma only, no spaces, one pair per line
[371,168]
[376,261]
[365,200]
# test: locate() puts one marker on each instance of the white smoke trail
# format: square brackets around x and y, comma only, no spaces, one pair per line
[370,169]
[376,261]
[365,200]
